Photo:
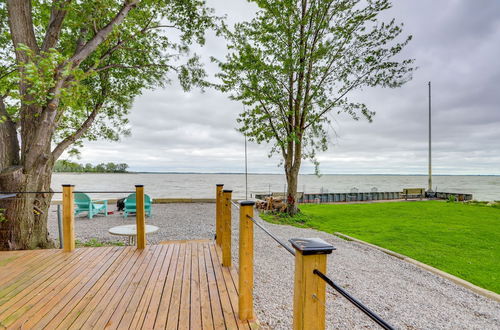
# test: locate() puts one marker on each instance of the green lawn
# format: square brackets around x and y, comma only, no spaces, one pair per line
[461,239]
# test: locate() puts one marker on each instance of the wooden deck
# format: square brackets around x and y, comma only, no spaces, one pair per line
[180,285]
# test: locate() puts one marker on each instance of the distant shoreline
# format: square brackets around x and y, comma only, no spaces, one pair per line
[309,174]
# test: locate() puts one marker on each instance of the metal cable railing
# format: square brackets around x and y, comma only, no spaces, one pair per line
[60,192]
[289,249]
[354,301]
[325,278]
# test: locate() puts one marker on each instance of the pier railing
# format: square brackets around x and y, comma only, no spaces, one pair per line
[67,232]
[310,266]
[68,202]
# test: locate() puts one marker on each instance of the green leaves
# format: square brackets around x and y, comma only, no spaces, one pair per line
[40,75]
[296,62]
[93,96]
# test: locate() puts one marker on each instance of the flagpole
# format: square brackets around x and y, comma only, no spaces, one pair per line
[246,169]
[430,142]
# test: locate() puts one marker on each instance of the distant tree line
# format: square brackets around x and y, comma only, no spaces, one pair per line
[68,166]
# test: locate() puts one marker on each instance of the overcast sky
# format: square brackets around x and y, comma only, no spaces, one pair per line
[456,44]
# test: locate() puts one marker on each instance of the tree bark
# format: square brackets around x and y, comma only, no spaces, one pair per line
[292,181]
[30,169]
[292,168]
[25,227]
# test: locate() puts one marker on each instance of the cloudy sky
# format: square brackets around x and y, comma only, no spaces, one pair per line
[456,44]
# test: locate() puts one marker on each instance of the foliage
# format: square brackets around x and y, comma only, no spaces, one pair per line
[2,215]
[94,242]
[297,62]
[149,45]
[451,199]
[68,166]
[299,220]
[494,204]
[458,238]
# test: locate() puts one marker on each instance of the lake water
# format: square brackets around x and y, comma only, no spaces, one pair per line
[203,185]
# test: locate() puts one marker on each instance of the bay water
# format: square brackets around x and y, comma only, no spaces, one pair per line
[203,185]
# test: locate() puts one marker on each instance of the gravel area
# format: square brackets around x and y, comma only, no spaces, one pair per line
[403,294]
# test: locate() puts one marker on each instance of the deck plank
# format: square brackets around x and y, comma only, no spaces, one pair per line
[206,307]
[215,302]
[9,294]
[68,295]
[34,294]
[164,303]
[227,279]
[153,310]
[66,280]
[222,289]
[68,315]
[185,301]
[103,301]
[137,296]
[179,285]
[147,298]
[195,310]
[115,306]
[174,307]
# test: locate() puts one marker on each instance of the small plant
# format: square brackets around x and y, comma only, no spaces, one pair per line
[2,216]
[451,199]
[300,219]
[94,242]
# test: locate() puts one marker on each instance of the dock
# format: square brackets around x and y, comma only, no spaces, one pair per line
[178,285]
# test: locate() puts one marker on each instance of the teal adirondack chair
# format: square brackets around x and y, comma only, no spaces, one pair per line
[130,205]
[84,204]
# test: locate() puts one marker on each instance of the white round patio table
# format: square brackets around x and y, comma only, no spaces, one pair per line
[131,231]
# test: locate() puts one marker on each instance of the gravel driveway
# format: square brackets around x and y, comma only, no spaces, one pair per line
[401,293]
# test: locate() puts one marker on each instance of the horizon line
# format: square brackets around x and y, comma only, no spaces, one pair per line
[271,173]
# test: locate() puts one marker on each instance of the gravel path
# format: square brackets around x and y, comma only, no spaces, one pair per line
[401,293]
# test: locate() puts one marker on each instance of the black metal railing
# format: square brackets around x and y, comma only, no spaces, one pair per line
[354,301]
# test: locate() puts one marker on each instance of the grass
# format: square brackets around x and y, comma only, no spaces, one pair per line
[93,242]
[461,239]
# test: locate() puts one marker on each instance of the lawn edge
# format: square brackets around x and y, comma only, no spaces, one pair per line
[468,285]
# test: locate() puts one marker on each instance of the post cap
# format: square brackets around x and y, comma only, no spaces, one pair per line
[227,191]
[139,185]
[247,203]
[219,184]
[68,185]
[310,246]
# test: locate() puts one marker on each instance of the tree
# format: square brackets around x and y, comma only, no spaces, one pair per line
[296,63]
[69,70]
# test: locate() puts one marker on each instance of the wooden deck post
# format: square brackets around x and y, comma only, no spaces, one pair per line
[68,218]
[218,213]
[245,298]
[226,228]
[309,289]
[140,219]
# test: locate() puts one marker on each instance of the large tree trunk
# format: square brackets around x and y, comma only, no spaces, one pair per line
[26,215]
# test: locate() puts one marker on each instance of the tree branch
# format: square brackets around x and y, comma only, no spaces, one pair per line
[110,66]
[21,27]
[334,102]
[57,16]
[270,119]
[64,144]
[100,36]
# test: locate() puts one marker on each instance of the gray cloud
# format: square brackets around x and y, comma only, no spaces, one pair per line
[456,45]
